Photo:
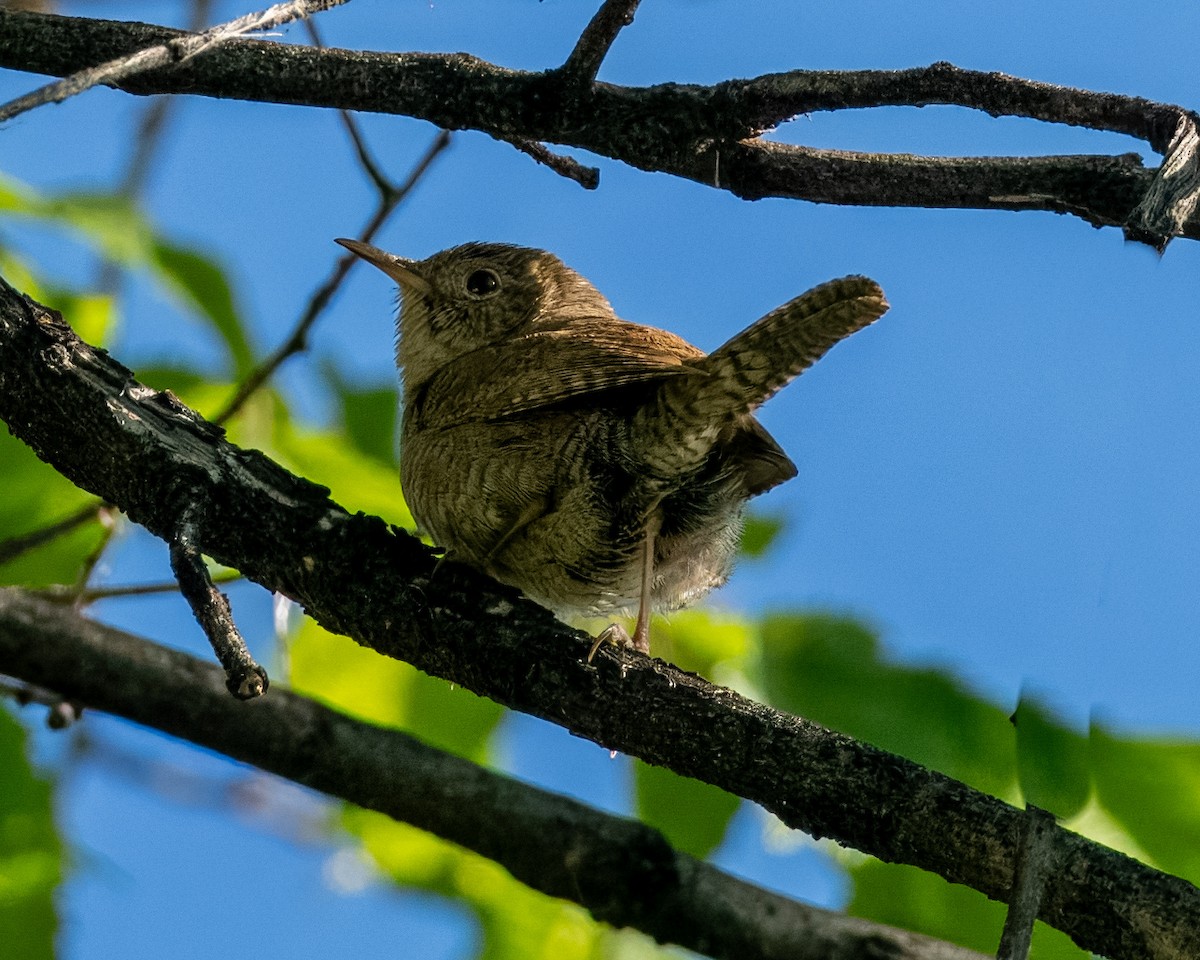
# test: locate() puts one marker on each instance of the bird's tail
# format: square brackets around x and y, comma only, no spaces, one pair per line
[689,413]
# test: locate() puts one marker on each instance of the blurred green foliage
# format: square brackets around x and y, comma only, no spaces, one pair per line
[31,855]
[119,232]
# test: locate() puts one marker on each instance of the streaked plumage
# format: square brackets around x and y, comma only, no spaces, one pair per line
[557,447]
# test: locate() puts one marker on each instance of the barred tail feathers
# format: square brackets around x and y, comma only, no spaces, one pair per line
[690,412]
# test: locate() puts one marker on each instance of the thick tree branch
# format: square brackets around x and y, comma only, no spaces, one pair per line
[710,134]
[620,870]
[83,413]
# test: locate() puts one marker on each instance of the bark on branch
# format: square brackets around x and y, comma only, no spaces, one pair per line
[620,870]
[145,452]
[709,134]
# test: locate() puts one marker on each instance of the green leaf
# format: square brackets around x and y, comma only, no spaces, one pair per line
[830,670]
[36,496]
[451,717]
[202,285]
[1150,788]
[123,234]
[198,391]
[31,856]
[1052,761]
[110,223]
[357,482]
[365,684]
[692,815]
[515,922]
[912,899]
[759,534]
[711,643]
[91,315]
[369,415]
[325,456]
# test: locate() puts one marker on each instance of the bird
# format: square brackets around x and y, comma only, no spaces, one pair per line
[596,464]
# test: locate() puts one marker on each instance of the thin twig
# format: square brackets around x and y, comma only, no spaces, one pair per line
[297,341]
[244,678]
[584,62]
[62,713]
[1034,863]
[174,51]
[365,160]
[569,167]
[108,522]
[15,546]
[59,593]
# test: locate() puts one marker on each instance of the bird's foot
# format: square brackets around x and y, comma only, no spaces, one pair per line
[618,636]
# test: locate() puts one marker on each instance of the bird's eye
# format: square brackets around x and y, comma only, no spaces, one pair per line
[483,283]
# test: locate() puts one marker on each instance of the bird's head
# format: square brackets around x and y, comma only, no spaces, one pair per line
[477,295]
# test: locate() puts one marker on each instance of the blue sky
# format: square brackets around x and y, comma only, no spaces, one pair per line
[999,475]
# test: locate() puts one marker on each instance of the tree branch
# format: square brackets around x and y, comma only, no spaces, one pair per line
[176,50]
[1034,864]
[244,678]
[1171,200]
[82,412]
[620,870]
[709,134]
[569,167]
[584,62]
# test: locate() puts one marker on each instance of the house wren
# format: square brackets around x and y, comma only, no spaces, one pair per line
[594,463]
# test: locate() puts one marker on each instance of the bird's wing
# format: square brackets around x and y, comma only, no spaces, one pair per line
[548,368]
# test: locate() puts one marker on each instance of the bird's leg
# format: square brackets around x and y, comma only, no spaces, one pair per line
[614,633]
[641,632]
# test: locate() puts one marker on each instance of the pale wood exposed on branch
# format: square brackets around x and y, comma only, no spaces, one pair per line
[1170,202]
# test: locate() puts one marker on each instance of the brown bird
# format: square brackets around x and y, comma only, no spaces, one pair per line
[594,463]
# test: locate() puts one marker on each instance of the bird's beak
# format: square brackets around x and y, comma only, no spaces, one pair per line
[400,269]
